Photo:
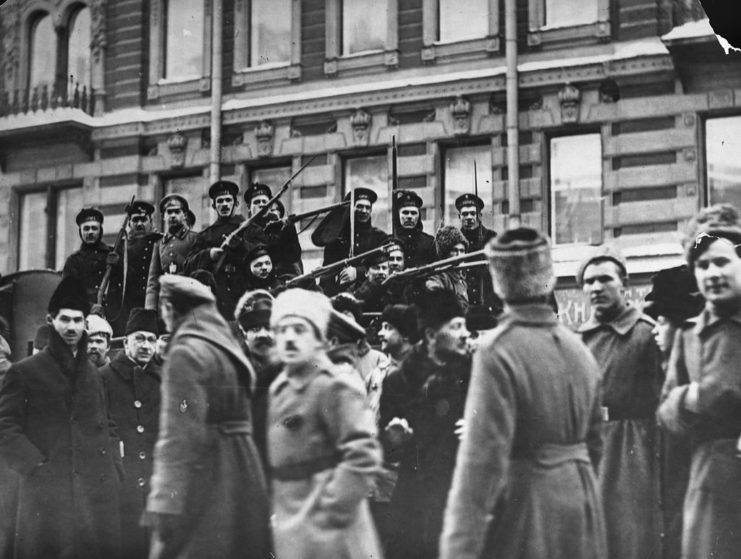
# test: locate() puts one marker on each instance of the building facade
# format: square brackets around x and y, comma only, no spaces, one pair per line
[627,114]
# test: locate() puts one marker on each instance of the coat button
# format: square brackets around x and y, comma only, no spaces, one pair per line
[140,428]
[142,455]
[137,403]
[141,482]
[103,451]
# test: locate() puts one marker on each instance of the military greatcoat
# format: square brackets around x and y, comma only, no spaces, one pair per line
[480,287]
[168,257]
[56,434]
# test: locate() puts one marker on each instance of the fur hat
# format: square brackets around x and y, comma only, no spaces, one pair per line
[598,254]
[446,238]
[673,295]
[171,284]
[479,317]
[403,318]
[41,338]
[520,265]
[435,308]
[205,277]
[309,305]
[69,294]
[253,309]
[96,325]
[343,302]
[717,215]
[141,320]
[707,236]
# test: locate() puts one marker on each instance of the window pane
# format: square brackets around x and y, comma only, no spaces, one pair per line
[564,13]
[576,189]
[271,32]
[69,202]
[363,26]
[79,65]
[32,242]
[723,147]
[195,191]
[460,21]
[459,180]
[43,52]
[372,173]
[184,47]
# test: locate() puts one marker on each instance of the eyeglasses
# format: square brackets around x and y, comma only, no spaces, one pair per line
[142,339]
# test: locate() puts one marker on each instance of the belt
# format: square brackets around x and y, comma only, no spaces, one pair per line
[551,454]
[303,470]
[233,427]
[618,414]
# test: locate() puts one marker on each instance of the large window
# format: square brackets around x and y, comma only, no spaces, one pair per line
[461,21]
[38,247]
[42,52]
[363,26]
[722,149]
[459,179]
[568,22]
[184,40]
[79,64]
[270,32]
[453,30]
[576,189]
[565,13]
[372,173]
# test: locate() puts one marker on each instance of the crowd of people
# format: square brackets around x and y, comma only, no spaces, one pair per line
[255,410]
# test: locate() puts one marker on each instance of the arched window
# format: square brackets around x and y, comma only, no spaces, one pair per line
[79,65]
[43,52]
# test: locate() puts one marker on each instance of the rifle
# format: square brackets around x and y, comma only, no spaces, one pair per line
[434,267]
[106,281]
[334,268]
[293,218]
[481,230]
[394,187]
[260,213]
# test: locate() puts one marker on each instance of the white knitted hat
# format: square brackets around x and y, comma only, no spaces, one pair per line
[309,305]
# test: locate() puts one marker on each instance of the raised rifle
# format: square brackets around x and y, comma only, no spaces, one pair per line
[257,215]
[394,187]
[293,218]
[434,267]
[106,281]
[336,267]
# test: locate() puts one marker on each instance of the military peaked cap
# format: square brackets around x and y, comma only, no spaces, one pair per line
[257,189]
[171,198]
[140,207]
[363,194]
[405,198]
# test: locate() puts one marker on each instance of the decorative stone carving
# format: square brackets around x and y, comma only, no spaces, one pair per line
[460,109]
[689,120]
[264,134]
[10,29]
[176,143]
[98,32]
[689,154]
[569,98]
[360,121]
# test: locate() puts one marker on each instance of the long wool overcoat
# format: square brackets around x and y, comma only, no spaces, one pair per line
[707,351]
[524,484]
[207,470]
[53,410]
[321,511]
[134,398]
[629,477]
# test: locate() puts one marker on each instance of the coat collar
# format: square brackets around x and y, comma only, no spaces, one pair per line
[706,319]
[322,366]
[180,235]
[99,246]
[622,324]
[125,367]
[62,355]
[538,314]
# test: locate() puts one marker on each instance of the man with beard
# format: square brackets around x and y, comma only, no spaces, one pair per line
[99,334]
[88,264]
[421,406]
[170,251]
[132,382]
[279,236]
[619,336]
[56,434]
[480,290]
[253,317]
[261,271]
[206,254]
[208,496]
[419,247]
[333,233]
[398,333]
[450,242]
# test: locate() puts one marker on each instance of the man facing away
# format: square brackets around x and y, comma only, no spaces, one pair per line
[56,434]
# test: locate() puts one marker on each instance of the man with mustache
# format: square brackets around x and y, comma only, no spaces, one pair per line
[88,264]
[619,336]
[231,277]
[132,382]
[170,252]
[99,334]
[419,247]
[422,402]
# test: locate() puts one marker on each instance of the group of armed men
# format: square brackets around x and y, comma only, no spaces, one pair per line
[250,413]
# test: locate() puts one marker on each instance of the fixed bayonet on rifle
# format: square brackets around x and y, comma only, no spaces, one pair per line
[434,267]
[394,187]
[260,213]
[106,281]
[293,218]
[336,267]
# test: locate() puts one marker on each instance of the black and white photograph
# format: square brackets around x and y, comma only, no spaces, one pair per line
[370,279]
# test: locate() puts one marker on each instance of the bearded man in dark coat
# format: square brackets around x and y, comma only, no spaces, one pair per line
[208,495]
[421,405]
[334,232]
[419,247]
[56,434]
[132,382]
